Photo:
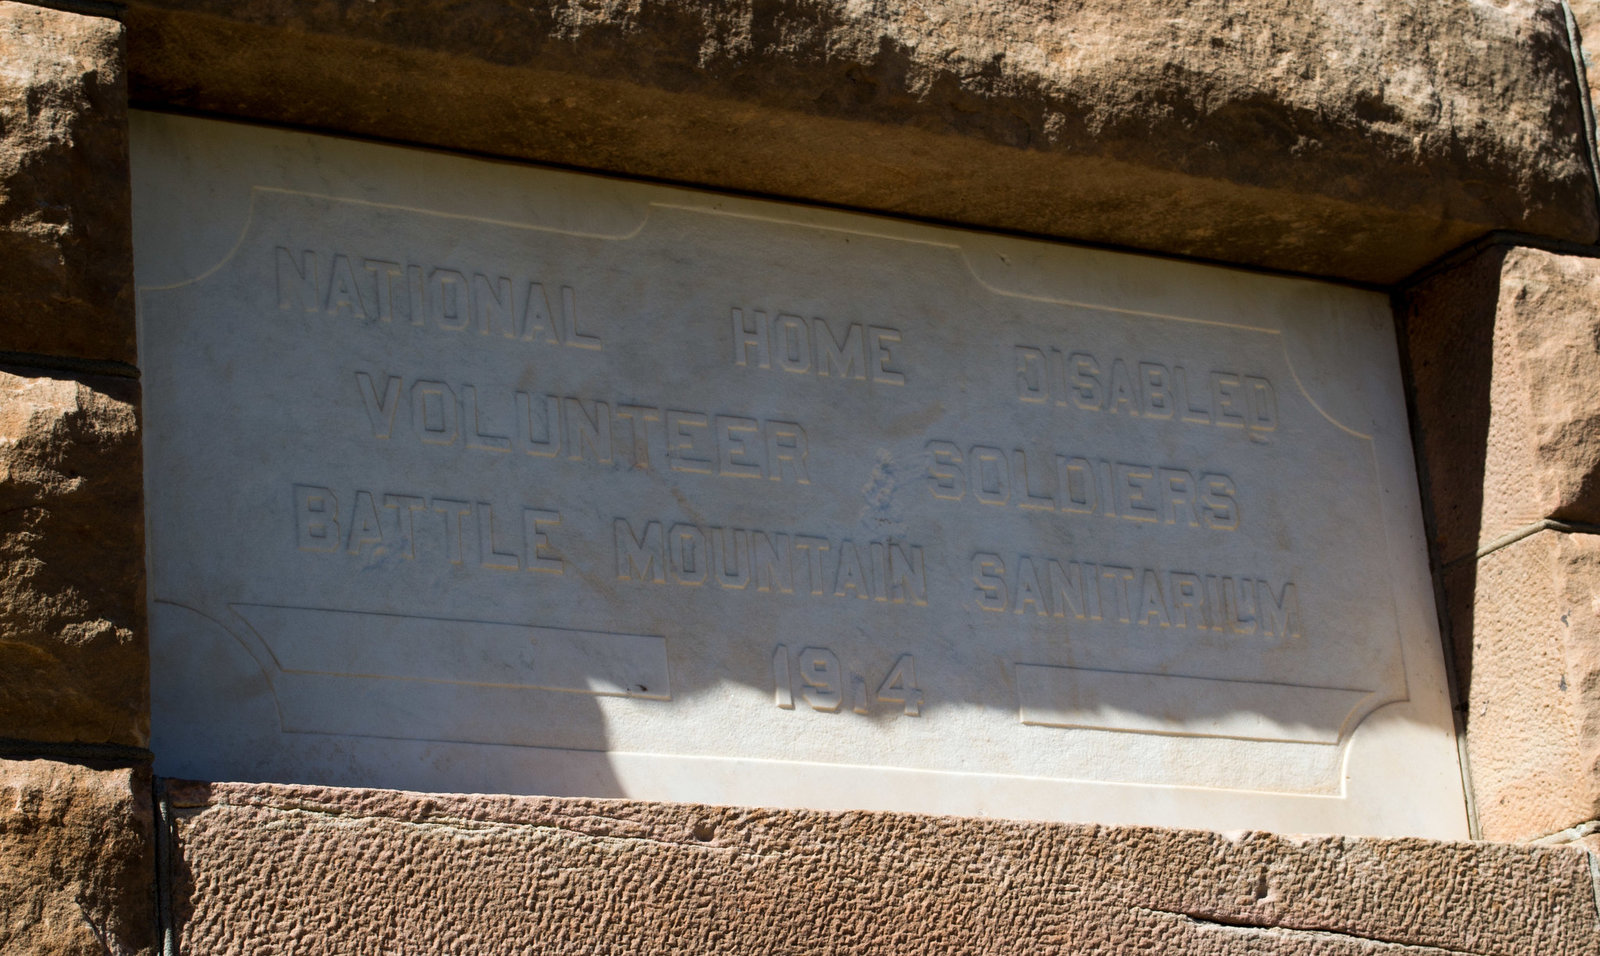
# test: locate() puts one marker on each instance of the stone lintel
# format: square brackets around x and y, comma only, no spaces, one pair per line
[312,868]
[1356,141]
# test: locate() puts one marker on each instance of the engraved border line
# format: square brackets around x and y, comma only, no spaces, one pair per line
[244,232]
[256,191]
[796,221]
[507,223]
[1289,361]
[277,663]
[446,740]
[1344,733]
[1091,782]
[252,651]
[966,260]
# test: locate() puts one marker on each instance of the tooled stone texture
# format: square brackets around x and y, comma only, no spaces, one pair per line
[318,870]
[1358,138]
[76,861]
[1550,328]
[1531,611]
[72,636]
[66,262]
[1506,354]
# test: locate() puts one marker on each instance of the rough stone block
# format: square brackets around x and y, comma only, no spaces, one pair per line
[311,870]
[1526,623]
[77,867]
[66,261]
[1356,139]
[73,647]
[1505,351]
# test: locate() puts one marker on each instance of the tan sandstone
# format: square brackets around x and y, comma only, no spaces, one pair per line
[72,634]
[311,870]
[66,262]
[1505,351]
[77,867]
[1359,138]
[1526,621]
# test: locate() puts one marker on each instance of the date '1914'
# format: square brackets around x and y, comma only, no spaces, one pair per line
[822,685]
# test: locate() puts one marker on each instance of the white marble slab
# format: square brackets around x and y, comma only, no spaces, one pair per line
[471,476]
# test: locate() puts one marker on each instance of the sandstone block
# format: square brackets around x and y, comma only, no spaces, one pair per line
[72,635]
[318,870]
[1505,353]
[66,286]
[1355,139]
[77,862]
[1526,622]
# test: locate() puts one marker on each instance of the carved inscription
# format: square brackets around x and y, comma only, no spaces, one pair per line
[892,572]
[1144,389]
[1146,597]
[579,428]
[444,298]
[441,411]
[817,679]
[488,476]
[455,530]
[1074,484]
[840,351]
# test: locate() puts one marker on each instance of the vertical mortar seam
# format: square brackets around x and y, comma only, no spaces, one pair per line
[1580,75]
[1594,880]
[166,928]
[1399,306]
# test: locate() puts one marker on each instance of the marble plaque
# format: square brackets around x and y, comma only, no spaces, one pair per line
[465,475]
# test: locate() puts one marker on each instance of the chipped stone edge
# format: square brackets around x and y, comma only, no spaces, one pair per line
[108,9]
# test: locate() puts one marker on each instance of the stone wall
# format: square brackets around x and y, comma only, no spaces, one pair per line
[1360,141]
[76,837]
[1504,348]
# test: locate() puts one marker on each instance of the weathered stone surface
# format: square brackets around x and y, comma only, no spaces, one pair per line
[66,283]
[273,868]
[72,635]
[1526,623]
[1505,352]
[1351,139]
[77,869]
